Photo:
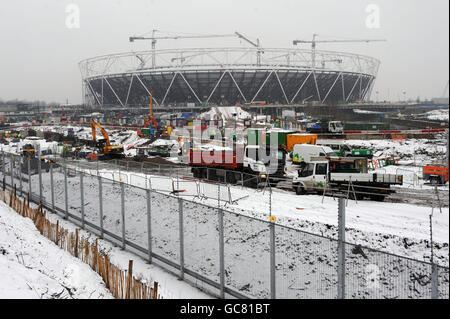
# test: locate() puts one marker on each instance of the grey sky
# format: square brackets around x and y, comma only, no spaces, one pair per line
[40,55]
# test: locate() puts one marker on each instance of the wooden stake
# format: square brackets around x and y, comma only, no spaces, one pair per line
[129,279]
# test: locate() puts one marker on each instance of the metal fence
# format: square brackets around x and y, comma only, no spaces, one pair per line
[225,253]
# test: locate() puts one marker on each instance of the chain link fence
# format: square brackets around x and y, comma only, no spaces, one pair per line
[225,253]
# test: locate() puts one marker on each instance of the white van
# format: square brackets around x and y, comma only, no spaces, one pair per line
[304,152]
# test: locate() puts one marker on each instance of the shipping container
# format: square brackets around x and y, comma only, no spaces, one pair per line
[300,138]
[280,135]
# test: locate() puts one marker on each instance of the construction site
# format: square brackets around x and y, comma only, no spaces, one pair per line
[246,172]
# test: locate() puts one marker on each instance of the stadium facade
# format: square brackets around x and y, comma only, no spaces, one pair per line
[227,76]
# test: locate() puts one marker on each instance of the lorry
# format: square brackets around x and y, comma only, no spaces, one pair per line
[325,127]
[239,164]
[342,149]
[345,175]
[304,152]
[436,173]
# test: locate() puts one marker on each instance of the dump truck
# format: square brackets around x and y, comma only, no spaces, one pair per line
[346,175]
[239,164]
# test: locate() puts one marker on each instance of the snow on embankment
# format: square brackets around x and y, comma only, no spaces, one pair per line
[409,151]
[32,266]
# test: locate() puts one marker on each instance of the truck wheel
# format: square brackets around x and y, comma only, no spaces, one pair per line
[435,180]
[300,190]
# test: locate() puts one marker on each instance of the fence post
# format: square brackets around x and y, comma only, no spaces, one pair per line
[52,187]
[434,281]
[272,260]
[434,274]
[82,199]
[3,163]
[149,225]
[341,248]
[221,254]
[100,197]
[122,210]
[29,173]
[180,214]
[12,170]
[66,198]
[20,174]
[40,174]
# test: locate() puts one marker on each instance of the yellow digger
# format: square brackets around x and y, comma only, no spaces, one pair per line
[104,145]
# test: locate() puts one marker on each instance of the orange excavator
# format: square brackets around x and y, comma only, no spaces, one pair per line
[104,145]
[150,118]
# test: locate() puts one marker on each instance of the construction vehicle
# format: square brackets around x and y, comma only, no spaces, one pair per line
[28,150]
[149,120]
[334,127]
[436,173]
[345,175]
[240,164]
[304,152]
[105,149]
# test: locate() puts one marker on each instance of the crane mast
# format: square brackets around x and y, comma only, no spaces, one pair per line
[154,38]
[314,41]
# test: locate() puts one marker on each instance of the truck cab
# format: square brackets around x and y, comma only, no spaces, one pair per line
[272,164]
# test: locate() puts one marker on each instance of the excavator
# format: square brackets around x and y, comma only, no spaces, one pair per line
[150,118]
[104,146]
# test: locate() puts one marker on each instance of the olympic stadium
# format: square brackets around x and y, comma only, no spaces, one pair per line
[227,76]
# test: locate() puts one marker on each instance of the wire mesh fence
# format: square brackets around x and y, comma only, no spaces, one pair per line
[223,252]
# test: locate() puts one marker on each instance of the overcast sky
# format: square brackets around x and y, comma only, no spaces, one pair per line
[40,55]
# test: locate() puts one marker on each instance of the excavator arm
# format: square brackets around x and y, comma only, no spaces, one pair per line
[102,130]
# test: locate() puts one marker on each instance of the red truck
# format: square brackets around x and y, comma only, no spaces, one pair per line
[242,164]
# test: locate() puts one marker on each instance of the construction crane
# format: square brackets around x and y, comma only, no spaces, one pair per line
[445,89]
[104,145]
[154,39]
[314,41]
[257,45]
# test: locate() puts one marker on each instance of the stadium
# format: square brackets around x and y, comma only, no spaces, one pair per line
[227,76]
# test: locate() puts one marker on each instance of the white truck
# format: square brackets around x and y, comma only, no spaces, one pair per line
[304,152]
[343,175]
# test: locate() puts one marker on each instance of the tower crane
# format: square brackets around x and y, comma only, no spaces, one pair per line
[314,41]
[155,38]
[257,45]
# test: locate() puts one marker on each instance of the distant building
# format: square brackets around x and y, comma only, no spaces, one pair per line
[440,100]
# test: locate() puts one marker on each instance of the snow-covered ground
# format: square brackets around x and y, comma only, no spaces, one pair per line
[378,225]
[34,267]
[411,151]
[31,266]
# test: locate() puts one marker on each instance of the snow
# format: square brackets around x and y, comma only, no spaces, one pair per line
[409,151]
[441,115]
[225,114]
[375,224]
[34,267]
